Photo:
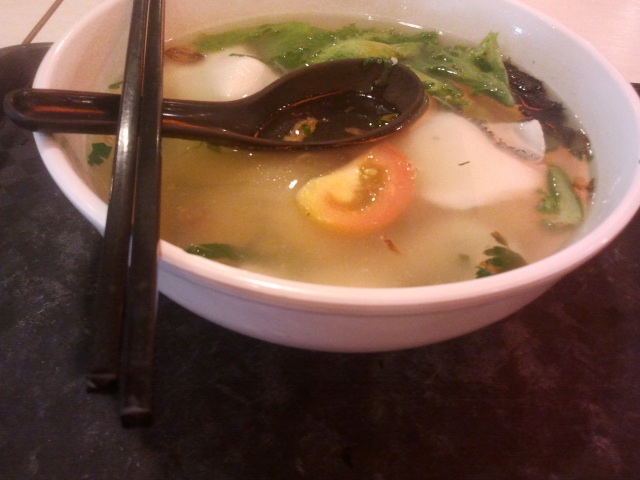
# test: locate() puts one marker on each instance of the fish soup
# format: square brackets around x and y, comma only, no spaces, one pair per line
[493,176]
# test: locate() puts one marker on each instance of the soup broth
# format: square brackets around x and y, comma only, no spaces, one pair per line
[467,191]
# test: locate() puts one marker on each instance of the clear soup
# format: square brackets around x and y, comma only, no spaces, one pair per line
[475,187]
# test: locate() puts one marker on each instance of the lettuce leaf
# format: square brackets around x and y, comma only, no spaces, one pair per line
[286,45]
[560,204]
[444,91]
[362,48]
[441,68]
[480,68]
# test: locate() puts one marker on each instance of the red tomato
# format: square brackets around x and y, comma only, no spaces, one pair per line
[368,193]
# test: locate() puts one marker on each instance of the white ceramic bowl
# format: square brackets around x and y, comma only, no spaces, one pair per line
[359,319]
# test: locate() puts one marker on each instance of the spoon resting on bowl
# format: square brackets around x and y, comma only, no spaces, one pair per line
[326,105]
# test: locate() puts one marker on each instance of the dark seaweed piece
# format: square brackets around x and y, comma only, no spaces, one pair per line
[534,102]
[532,96]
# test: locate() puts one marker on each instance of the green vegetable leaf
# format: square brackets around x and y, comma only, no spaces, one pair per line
[500,258]
[288,45]
[480,67]
[292,45]
[362,48]
[99,153]
[383,120]
[444,91]
[222,252]
[560,204]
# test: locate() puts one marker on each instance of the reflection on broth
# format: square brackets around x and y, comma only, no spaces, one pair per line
[484,182]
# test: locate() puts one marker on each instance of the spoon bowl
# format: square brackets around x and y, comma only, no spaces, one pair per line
[350,101]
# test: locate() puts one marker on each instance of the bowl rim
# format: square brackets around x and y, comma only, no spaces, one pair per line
[276,290]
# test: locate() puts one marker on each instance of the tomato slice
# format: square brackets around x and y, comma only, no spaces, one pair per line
[368,193]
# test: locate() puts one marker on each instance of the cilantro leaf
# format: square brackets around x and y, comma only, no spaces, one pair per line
[217,251]
[99,153]
[500,259]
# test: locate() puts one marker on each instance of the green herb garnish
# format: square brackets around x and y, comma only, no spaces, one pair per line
[383,120]
[222,252]
[500,259]
[559,204]
[99,153]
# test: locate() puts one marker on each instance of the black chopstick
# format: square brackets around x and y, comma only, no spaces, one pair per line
[138,142]
[141,304]
[105,355]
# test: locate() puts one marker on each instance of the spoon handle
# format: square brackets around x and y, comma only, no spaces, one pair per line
[325,92]
[63,111]
[70,111]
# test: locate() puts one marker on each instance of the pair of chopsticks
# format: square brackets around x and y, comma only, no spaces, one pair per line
[123,342]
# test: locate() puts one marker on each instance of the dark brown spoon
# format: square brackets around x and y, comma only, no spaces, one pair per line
[354,101]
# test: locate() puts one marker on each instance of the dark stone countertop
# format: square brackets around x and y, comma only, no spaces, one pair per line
[552,392]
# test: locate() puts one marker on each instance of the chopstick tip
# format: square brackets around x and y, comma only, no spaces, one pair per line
[101,383]
[135,416]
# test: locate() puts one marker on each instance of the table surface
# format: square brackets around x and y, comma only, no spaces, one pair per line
[551,393]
